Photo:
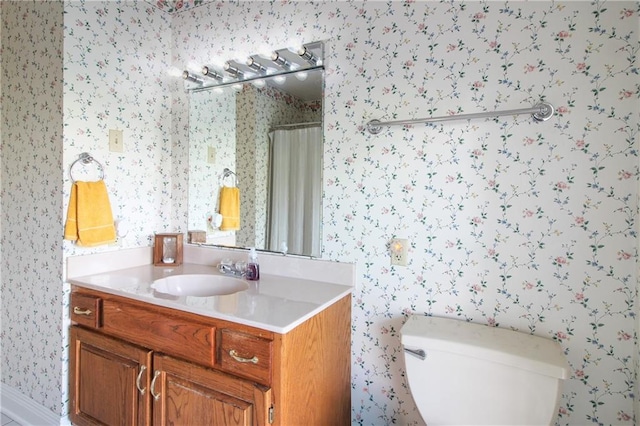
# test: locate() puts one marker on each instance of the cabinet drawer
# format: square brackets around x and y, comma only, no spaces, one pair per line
[173,335]
[246,355]
[86,310]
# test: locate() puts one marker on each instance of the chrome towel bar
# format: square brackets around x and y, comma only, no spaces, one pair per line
[540,112]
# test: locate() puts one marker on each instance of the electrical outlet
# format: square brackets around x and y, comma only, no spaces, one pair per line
[116,144]
[211,155]
[399,248]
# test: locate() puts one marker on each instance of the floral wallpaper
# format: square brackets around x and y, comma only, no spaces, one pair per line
[116,64]
[71,72]
[512,223]
[32,262]
[175,6]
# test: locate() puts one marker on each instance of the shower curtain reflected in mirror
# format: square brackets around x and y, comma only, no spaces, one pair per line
[296,190]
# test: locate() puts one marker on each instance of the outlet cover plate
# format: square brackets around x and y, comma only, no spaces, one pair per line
[399,249]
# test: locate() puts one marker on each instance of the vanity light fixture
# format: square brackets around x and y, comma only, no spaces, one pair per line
[275,57]
[209,72]
[192,78]
[256,66]
[234,71]
[307,55]
[276,65]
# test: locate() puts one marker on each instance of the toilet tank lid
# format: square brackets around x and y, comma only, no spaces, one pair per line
[519,350]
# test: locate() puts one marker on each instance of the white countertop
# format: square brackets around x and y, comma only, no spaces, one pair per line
[275,303]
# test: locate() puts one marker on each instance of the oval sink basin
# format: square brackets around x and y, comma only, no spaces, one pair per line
[200,285]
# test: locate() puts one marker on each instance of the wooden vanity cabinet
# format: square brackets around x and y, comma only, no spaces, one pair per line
[134,363]
[191,395]
[112,383]
[104,378]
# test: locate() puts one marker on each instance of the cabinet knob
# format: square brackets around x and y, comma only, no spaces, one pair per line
[233,354]
[79,311]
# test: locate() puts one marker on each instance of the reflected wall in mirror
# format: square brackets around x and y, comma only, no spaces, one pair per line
[270,135]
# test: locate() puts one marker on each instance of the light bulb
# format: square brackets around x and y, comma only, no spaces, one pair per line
[233,70]
[193,79]
[275,57]
[209,72]
[174,72]
[254,65]
[307,55]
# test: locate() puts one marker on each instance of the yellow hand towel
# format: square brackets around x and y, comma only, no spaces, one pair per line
[89,217]
[230,208]
[71,226]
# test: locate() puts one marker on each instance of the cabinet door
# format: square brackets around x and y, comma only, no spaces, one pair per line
[109,380]
[186,394]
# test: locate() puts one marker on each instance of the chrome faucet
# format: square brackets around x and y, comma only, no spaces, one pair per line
[229,268]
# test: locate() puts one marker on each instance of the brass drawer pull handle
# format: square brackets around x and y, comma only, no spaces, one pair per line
[235,356]
[79,311]
[153,385]
[141,390]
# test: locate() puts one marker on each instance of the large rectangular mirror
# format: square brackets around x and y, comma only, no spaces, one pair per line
[267,134]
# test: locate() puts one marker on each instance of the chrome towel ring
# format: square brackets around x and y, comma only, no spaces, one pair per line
[228,172]
[85,158]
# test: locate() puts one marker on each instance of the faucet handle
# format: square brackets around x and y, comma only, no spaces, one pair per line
[241,267]
[225,266]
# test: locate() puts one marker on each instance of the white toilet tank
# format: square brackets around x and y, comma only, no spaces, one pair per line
[473,374]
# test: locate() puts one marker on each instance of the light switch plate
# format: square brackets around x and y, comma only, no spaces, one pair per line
[211,155]
[116,143]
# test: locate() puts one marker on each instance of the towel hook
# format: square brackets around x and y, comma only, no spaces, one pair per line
[86,158]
